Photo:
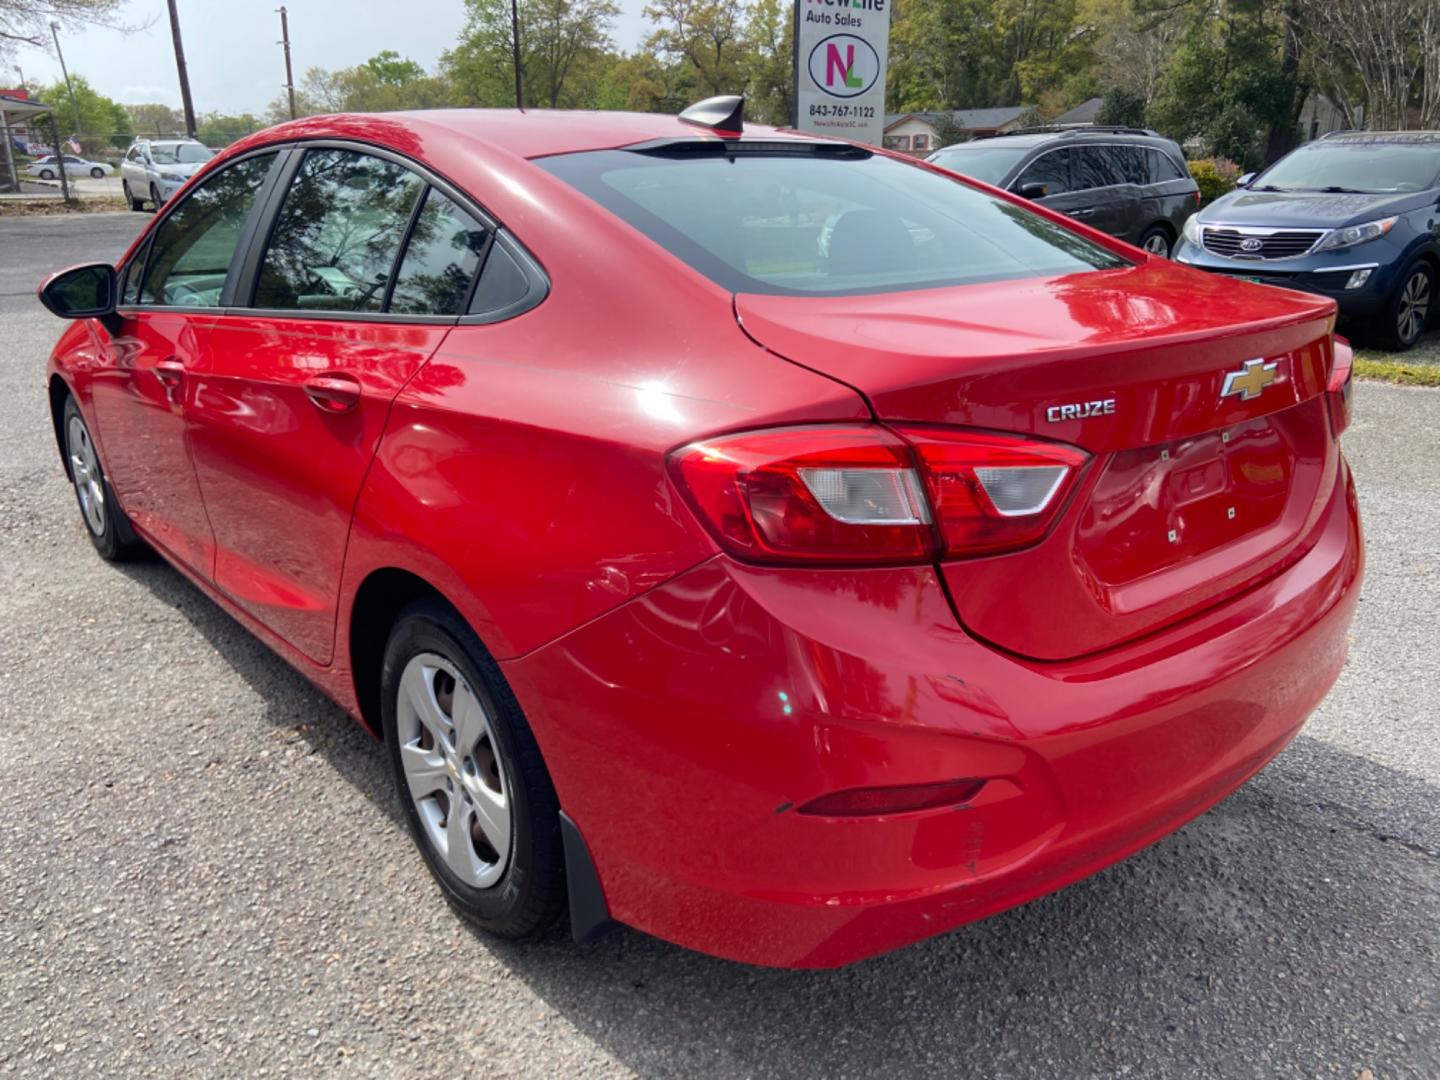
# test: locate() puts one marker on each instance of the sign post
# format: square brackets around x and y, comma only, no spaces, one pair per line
[840,53]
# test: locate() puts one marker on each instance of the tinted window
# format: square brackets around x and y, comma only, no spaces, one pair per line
[1098,166]
[1162,168]
[1052,170]
[440,260]
[1134,165]
[338,233]
[793,224]
[190,254]
[502,283]
[130,290]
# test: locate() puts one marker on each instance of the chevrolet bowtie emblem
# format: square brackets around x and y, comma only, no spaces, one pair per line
[1250,381]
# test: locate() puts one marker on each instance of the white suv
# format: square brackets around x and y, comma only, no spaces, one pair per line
[154,169]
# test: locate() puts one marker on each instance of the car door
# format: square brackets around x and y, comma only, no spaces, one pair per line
[288,405]
[170,295]
[1055,170]
[1109,201]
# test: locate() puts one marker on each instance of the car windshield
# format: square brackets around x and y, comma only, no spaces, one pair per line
[988,164]
[1356,165]
[789,223]
[180,154]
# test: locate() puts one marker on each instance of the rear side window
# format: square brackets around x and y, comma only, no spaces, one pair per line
[192,248]
[338,233]
[441,257]
[1099,166]
[789,224]
[1162,168]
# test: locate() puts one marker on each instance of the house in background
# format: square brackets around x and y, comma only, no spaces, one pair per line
[17,108]
[1082,115]
[915,133]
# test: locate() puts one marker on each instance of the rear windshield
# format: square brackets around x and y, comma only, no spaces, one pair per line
[1359,165]
[792,224]
[986,163]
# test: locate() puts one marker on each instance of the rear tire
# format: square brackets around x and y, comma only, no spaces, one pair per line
[135,204]
[46,174]
[458,743]
[1156,240]
[155,197]
[98,173]
[105,523]
[1408,311]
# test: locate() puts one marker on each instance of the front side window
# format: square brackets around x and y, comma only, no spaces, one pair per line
[338,233]
[192,248]
[441,256]
[808,224]
[1052,169]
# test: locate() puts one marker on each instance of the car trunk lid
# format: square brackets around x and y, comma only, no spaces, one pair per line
[1191,495]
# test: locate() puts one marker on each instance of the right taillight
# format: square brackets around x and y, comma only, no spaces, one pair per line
[865,494]
[1341,383]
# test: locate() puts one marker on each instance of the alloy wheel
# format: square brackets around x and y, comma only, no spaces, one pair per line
[1414,306]
[1158,245]
[85,471]
[453,770]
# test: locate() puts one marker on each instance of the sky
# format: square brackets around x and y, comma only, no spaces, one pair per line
[231,46]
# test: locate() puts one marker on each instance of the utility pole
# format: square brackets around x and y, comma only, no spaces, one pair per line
[289,75]
[74,108]
[59,158]
[184,75]
[21,72]
[515,50]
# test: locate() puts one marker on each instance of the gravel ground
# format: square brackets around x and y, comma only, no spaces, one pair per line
[202,870]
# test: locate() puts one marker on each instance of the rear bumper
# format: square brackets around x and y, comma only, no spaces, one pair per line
[684,729]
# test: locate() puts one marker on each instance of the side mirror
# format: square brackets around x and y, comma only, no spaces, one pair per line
[1245,181]
[1033,191]
[82,292]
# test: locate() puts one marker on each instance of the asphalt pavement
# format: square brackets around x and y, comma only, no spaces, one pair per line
[203,870]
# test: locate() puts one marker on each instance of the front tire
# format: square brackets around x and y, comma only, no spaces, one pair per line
[1408,310]
[46,174]
[105,523]
[135,204]
[472,784]
[1156,240]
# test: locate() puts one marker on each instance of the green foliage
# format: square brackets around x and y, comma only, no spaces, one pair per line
[947,132]
[221,129]
[99,121]
[1215,177]
[1122,107]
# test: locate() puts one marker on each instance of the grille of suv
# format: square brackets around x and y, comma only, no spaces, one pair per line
[1280,245]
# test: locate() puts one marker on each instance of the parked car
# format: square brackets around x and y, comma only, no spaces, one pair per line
[154,169]
[1353,216]
[791,606]
[1128,182]
[46,168]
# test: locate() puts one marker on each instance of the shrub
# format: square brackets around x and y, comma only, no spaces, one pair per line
[1216,176]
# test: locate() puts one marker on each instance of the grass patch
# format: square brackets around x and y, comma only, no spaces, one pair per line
[43,207]
[1397,371]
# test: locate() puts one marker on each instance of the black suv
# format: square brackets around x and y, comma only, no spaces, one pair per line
[1354,216]
[1128,182]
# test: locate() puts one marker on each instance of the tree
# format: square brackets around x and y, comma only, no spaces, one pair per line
[1377,59]
[156,121]
[1122,107]
[103,121]
[557,39]
[27,22]
[769,44]
[705,37]
[221,129]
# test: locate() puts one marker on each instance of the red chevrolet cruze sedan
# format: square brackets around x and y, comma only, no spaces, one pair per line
[783,547]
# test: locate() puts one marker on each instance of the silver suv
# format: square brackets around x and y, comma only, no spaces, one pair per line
[154,169]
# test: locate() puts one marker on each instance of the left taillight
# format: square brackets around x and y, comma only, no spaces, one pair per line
[867,494]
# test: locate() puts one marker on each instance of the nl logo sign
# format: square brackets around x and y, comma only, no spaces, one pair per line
[844,65]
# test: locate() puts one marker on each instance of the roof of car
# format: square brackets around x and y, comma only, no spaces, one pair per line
[1390,137]
[528,133]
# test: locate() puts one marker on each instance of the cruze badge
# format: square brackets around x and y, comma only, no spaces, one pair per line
[1250,381]
[1080,410]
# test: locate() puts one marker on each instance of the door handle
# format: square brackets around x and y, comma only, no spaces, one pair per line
[1083,212]
[170,371]
[333,393]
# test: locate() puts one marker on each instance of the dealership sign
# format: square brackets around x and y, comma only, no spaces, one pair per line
[840,48]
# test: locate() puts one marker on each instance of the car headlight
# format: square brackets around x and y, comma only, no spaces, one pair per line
[1191,230]
[1356,234]
[174,178]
